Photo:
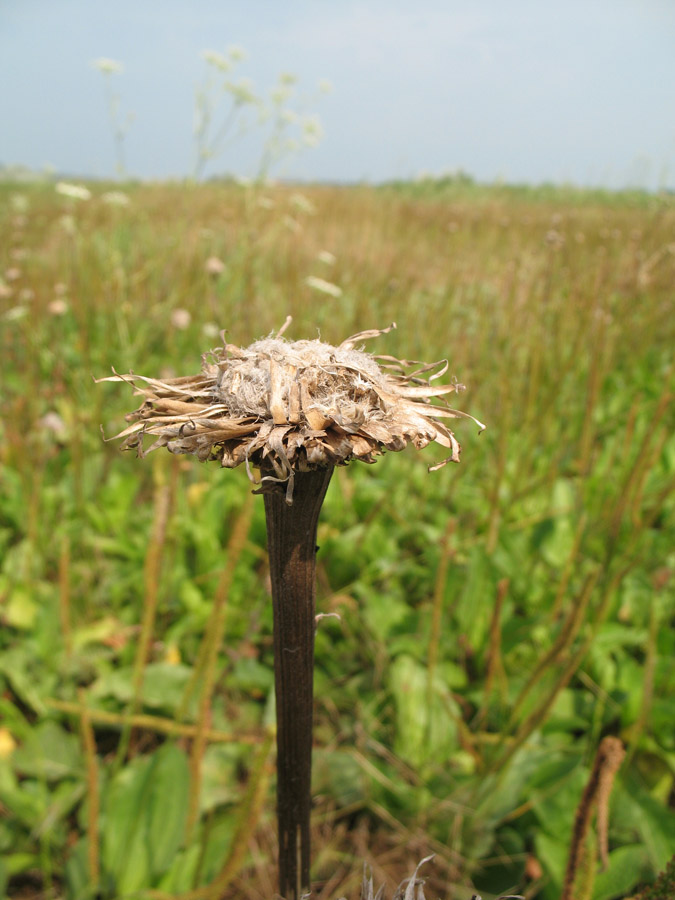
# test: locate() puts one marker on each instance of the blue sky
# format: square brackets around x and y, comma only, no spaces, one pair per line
[524,90]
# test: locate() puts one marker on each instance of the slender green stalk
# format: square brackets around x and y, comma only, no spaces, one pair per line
[64,596]
[291,541]
[208,674]
[153,560]
[156,724]
[568,633]
[89,745]
[447,551]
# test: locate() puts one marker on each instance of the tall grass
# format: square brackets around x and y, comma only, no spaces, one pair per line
[497,620]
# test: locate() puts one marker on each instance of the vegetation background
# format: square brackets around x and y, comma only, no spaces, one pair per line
[497,619]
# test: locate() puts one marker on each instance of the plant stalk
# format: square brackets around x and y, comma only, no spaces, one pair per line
[291,543]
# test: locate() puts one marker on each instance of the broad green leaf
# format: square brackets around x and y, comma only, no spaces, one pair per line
[49,752]
[23,799]
[220,784]
[15,666]
[17,863]
[20,609]
[383,613]
[163,685]
[219,841]
[552,853]
[167,806]
[654,823]
[144,817]
[125,853]
[338,773]
[627,867]
[426,730]
[474,608]
[78,878]
[180,875]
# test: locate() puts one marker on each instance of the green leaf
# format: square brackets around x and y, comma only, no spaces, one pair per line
[474,608]
[26,805]
[124,852]
[15,665]
[163,685]
[49,752]
[552,854]
[20,609]
[340,774]
[425,718]
[654,823]
[220,784]
[627,867]
[383,612]
[168,804]
[144,817]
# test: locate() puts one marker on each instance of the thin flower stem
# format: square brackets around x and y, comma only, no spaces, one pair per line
[163,497]
[156,724]
[291,542]
[208,673]
[447,551]
[89,744]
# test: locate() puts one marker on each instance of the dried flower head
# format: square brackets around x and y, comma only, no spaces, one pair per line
[285,406]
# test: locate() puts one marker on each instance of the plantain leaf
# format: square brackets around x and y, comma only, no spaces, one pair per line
[627,866]
[426,732]
[144,820]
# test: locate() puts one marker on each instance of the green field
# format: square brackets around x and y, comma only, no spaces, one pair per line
[498,618]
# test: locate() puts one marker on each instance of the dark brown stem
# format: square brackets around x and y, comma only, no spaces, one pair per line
[291,542]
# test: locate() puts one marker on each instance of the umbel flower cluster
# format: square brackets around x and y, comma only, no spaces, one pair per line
[284,406]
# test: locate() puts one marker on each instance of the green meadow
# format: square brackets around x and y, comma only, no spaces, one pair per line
[496,620]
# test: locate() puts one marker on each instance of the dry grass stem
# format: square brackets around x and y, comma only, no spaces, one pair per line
[596,794]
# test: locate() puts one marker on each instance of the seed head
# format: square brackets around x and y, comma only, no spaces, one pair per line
[286,406]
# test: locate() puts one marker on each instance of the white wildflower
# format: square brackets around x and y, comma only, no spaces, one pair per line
[214,266]
[57,307]
[19,203]
[292,224]
[312,132]
[326,257]
[107,66]
[213,58]
[304,204]
[236,53]
[323,286]
[210,330]
[76,191]
[69,225]
[52,421]
[180,319]
[116,198]
[242,91]
[280,95]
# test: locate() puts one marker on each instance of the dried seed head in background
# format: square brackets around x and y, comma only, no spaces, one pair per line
[285,406]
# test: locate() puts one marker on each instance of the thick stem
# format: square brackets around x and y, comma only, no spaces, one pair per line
[291,542]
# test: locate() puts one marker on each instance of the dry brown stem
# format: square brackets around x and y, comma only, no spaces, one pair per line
[596,794]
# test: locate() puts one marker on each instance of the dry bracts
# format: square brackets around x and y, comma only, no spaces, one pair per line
[295,406]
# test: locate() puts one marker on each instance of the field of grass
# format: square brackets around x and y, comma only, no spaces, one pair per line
[497,619]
